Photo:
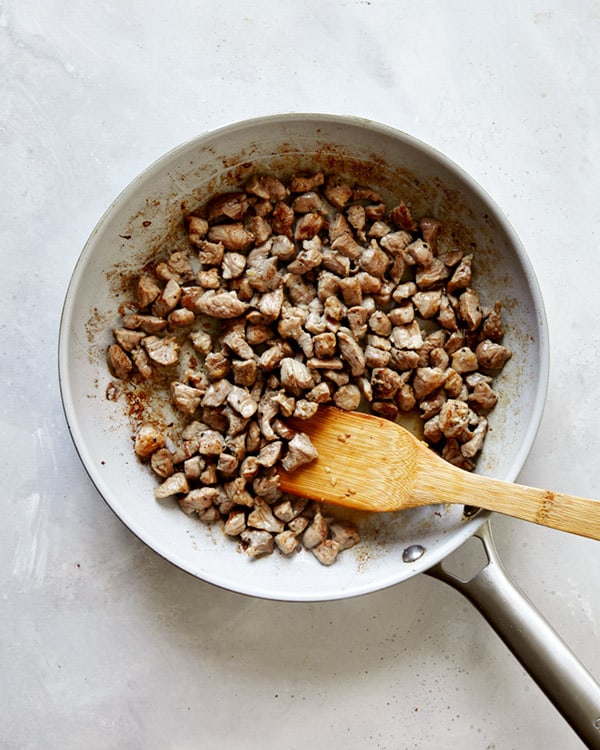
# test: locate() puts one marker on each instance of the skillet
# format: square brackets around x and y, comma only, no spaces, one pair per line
[146,221]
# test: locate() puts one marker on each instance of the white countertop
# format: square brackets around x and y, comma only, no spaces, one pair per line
[103,643]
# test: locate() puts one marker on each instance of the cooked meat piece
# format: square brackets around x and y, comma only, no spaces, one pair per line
[290,508]
[262,518]
[306,259]
[197,229]
[453,385]
[118,361]
[266,187]
[300,451]
[146,323]
[430,230]
[220,304]
[396,242]
[454,418]
[375,357]
[176,484]
[469,309]
[482,398]
[304,183]
[245,372]
[287,542]
[344,533]
[148,439]
[232,265]
[232,236]
[211,253]
[461,278]
[199,499]
[439,357]
[163,351]
[492,324]
[262,274]
[380,323]
[128,339]
[407,337]
[374,260]
[404,359]
[451,453]
[385,409]
[326,552]
[431,430]
[308,225]
[432,275]
[432,405]
[378,230]
[236,342]
[492,356]
[309,202]
[357,217]
[167,300]
[351,351]
[282,219]
[320,394]
[337,192]
[428,303]
[267,486]
[366,193]
[402,218]
[180,265]
[464,360]
[227,206]
[298,525]
[447,317]
[211,443]
[185,398]
[426,380]
[192,467]
[257,542]
[385,382]
[324,344]
[260,229]
[351,291]
[316,532]
[237,492]
[146,291]
[419,252]
[181,318]
[404,291]
[270,453]
[235,523]
[471,447]
[161,463]
[241,400]
[402,315]
[217,365]
[295,375]
[347,397]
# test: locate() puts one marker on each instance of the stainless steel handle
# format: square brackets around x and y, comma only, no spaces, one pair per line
[541,651]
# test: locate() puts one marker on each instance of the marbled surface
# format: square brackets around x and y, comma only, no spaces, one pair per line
[106,645]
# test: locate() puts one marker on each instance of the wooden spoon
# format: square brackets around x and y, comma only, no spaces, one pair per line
[373,464]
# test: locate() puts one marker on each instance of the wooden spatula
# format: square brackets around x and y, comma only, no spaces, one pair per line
[370,463]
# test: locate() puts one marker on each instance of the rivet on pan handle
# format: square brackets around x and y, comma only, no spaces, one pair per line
[532,640]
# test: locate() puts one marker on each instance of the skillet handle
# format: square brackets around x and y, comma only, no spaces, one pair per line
[532,640]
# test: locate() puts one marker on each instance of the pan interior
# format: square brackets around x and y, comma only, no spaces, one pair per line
[147,219]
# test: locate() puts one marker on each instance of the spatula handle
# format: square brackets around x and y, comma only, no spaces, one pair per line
[545,656]
[556,510]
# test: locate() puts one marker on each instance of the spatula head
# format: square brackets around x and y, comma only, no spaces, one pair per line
[364,461]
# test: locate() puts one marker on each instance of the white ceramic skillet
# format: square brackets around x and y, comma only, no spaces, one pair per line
[146,221]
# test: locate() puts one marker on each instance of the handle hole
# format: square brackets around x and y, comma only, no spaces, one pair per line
[467,561]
